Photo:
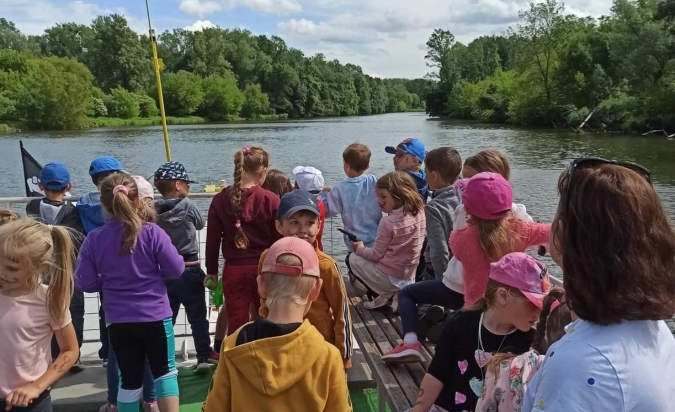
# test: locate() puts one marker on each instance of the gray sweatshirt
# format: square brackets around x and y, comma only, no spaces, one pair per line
[181,219]
[438,213]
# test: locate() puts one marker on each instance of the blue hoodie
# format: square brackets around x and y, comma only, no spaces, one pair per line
[421,183]
[91,212]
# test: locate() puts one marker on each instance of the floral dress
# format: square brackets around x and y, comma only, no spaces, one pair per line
[504,392]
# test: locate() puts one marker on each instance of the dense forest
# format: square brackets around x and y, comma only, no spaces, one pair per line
[554,69]
[75,76]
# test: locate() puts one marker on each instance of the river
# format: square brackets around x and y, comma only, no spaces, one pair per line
[537,157]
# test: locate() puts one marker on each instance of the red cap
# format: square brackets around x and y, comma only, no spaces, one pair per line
[525,273]
[303,250]
[487,196]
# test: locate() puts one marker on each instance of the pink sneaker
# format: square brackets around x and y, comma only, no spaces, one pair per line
[150,407]
[214,358]
[404,353]
[108,408]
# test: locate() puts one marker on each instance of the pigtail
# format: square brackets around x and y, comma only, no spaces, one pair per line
[118,195]
[60,273]
[555,314]
[240,239]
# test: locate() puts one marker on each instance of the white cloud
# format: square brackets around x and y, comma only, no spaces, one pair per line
[204,7]
[199,25]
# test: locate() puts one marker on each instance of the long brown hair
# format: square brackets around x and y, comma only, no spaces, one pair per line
[277,182]
[496,237]
[249,160]
[402,188]
[119,196]
[490,160]
[617,246]
[488,299]
[32,244]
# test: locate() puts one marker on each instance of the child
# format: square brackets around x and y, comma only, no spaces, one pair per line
[507,376]
[277,182]
[179,216]
[7,216]
[443,167]
[491,233]
[390,264]
[54,210]
[33,312]
[354,198]
[615,245]
[501,320]
[129,260]
[311,180]
[298,216]
[409,156]
[241,218]
[147,194]
[281,363]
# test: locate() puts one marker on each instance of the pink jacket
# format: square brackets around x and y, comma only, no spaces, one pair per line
[398,244]
[466,248]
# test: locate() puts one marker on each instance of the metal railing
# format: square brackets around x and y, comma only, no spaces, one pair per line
[332,242]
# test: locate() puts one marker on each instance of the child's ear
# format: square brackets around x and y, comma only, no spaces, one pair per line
[278,225]
[41,186]
[69,187]
[262,289]
[501,296]
[316,290]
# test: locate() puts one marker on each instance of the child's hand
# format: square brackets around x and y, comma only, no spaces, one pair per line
[326,189]
[357,245]
[214,278]
[23,396]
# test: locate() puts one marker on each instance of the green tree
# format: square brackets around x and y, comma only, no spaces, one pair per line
[183,93]
[256,102]
[67,40]
[147,106]
[222,99]
[125,104]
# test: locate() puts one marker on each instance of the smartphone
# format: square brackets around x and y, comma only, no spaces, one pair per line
[352,237]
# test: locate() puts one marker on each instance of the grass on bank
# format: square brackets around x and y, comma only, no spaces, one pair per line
[142,121]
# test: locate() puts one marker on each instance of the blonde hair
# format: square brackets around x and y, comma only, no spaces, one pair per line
[496,237]
[147,211]
[490,295]
[490,160]
[249,159]
[402,188]
[7,216]
[31,244]
[121,205]
[295,289]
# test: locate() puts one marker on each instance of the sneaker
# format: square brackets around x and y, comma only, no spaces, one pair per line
[394,304]
[404,353]
[77,367]
[214,358]
[379,302]
[108,408]
[434,315]
[202,367]
[150,407]
[105,362]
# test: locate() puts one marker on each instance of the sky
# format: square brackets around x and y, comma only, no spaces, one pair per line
[385,37]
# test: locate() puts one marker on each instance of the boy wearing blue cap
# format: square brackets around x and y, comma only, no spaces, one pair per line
[53,209]
[409,156]
[89,206]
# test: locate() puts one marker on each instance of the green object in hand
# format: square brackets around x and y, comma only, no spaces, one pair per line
[211,284]
[217,293]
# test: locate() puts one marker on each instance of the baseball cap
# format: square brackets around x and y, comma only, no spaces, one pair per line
[411,146]
[523,272]
[105,164]
[294,246]
[172,171]
[296,201]
[309,178]
[487,196]
[144,188]
[54,176]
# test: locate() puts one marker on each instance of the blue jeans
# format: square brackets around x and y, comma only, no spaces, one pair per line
[77,314]
[149,392]
[189,290]
[432,292]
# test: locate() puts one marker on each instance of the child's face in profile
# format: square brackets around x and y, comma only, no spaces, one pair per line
[12,275]
[302,224]
[385,200]
[405,161]
[468,172]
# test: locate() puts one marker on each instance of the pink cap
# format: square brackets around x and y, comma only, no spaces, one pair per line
[487,196]
[525,273]
[144,188]
[300,248]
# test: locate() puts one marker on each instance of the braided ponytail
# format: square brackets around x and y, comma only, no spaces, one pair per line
[552,320]
[240,239]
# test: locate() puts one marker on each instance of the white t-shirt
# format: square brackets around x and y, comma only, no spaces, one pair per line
[628,367]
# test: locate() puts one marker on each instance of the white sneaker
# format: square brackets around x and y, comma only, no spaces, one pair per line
[379,302]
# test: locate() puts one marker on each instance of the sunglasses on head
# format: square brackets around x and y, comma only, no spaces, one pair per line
[586,162]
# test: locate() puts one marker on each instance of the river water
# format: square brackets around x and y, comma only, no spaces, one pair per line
[537,157]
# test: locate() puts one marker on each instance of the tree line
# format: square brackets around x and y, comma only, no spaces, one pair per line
[553,69]
[73,73]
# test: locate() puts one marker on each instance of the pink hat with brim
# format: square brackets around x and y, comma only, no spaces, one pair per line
[303,250]
[525,273]
[145,190]
[487,196]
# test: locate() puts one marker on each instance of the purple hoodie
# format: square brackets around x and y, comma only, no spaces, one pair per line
[132,284]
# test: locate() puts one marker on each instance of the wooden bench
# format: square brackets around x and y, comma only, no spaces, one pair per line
[377,332]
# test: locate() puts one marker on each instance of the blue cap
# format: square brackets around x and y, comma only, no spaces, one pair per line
[172,171]
[105,164]
[296,201]
[55,176]
[411,146]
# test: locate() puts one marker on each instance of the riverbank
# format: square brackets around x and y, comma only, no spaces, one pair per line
[95,122]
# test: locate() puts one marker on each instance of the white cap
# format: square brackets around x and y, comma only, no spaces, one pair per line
[309,178]
[145,190]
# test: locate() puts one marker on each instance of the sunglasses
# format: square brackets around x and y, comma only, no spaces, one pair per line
[586,162]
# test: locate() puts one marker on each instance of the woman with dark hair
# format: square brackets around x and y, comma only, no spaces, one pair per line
[616,246]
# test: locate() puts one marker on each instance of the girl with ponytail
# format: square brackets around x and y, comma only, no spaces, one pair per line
[241,220]
[128,260]
[33,312]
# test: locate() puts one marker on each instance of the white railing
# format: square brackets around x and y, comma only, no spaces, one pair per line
[182,330]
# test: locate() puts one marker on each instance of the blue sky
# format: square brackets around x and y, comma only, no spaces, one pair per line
[385,37]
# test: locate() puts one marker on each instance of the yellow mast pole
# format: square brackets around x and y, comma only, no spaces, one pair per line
[157,65]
